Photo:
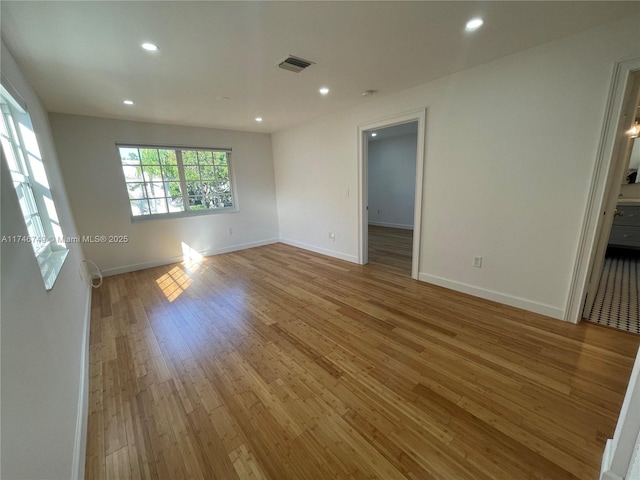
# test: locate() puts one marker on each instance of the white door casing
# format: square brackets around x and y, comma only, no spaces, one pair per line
[419,115]
[603,188]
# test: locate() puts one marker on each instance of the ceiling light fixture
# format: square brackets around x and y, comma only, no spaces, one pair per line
[474,24]
[374,134]
[152,47]
[634,131]
[369,93]
[128,102]
[258,119]
[324,91]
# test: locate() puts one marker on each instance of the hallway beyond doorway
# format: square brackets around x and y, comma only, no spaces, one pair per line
[391,247]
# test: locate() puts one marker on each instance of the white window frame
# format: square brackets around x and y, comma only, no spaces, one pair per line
[48,245]
[187,212]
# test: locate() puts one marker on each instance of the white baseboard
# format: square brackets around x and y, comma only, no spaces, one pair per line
[166,261]
[321,251]
[392,225]
[504,298]
[80,445]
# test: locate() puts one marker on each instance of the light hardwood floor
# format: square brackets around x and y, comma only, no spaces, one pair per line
[279,363]
[391,247]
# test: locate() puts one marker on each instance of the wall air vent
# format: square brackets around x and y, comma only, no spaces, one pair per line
[294,64]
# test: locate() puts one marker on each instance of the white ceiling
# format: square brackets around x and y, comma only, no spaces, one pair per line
[85,57]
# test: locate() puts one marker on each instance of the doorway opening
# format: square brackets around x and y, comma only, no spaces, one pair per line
[391,163]
[613,294]
[391,167]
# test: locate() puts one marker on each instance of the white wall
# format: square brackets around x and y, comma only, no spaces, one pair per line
[44,355]
[315,164]
[392,181]
[92,171]
[510,152]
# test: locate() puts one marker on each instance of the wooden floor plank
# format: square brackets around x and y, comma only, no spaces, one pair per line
[278,363]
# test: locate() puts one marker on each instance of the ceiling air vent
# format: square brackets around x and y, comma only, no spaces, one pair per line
[294,64]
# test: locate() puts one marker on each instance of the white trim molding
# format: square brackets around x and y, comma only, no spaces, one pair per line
[321,251]
[82,420]
[419,115]
[391,225]
[179,258]
[513,301]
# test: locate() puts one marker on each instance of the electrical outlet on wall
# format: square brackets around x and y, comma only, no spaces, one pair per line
[332,236]
[477,262]
[231,231]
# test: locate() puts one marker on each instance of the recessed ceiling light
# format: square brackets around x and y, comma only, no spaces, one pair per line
[128,102]
[374,134]
[152,47]
[474,24]
[324,91]
[258,119]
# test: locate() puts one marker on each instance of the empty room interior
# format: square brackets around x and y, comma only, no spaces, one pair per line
[320,240]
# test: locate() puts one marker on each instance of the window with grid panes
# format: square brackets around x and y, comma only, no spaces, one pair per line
[167,181]
[22,155]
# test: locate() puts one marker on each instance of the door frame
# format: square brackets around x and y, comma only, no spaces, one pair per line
[603,189]
[420,116]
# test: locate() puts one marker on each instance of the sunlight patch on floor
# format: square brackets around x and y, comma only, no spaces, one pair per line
[173,283]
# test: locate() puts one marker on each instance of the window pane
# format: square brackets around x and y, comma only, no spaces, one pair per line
[222,172]
[35,228]
[139,207]
[135,190]
[149,156]
[168,157]
[151,173]
[195,203]
[220,158]
[205,157]
[189,157]
[3,124]
[129,156]
[13,133]
[209,195]
[191,173]
[193,188]
[158,205]
[26,199]
[170,173]
[227,200]
[155,190]
[175,204]
[207,172]
[132,173]
[173,189]
[31,186]
[9,154]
